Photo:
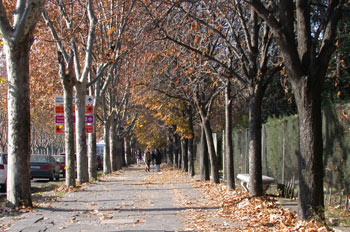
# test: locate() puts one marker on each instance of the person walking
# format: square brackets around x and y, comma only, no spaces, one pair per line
[158,159]
[148,159]
[139,157]
[153,155]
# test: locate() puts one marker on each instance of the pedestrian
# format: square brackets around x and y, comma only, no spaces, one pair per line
[153,154]
[158,158]
[148,159]
[139,157]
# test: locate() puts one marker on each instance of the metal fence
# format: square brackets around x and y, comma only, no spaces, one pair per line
[280,147]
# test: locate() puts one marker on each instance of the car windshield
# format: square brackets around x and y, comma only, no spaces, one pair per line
[39,158]
[59,159]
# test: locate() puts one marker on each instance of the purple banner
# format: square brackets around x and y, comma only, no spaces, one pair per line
[59,119]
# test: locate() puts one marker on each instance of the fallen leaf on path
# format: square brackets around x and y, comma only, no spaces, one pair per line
[236,210]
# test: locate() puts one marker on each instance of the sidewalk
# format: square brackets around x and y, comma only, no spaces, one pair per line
[135,200]
[127,201]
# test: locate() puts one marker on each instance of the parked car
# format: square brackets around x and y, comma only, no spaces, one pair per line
[44,166]
[99,161]
[3,171]
[61,161]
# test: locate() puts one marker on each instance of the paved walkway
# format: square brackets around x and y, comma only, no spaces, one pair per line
[135,200]
[127,201]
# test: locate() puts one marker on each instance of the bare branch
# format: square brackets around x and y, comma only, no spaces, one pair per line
[28,19]
[5,27]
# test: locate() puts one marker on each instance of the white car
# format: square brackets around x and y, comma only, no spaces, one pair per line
[3,171]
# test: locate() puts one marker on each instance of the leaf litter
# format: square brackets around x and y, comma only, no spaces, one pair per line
[217,208]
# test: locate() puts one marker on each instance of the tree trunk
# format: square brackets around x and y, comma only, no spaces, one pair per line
[204,157]
[120,153]
[127,150]
[18,179]
[170,150]
[92,162]
[133,149]
[214,170]
[179,161]
[184,155]
[228,138]
[82,164]
[106,150]
[311,195]
[69,133]
[176,153]
[113,146]
[255,165]
[190,147]
[306,68]
[92,139]
[190,157]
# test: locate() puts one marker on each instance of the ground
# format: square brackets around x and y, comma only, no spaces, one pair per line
[135,200]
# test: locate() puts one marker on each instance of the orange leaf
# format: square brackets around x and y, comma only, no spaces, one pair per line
[111,31]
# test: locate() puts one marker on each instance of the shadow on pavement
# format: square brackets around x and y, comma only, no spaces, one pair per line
[129,210]
[141,189]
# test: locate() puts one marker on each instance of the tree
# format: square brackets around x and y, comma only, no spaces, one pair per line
[175,74]
[17,34]
[115,117]
[238,47]
[114,42]
[70,14]
[97,89]
[306,45]
[43,67]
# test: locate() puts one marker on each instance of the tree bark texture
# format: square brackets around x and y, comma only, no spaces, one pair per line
[121,145]
[176,151]
[18,179]
[255,165]
[191,157]
[113,146]
[306,60]
[92,162]
[184,155]
[82,162]
[120,153]
[214,169]
[106,151]
[190,145]
[311,195]
[204,157]
[228,138]
[92,138]
[179,161]
[127,146]
[169,150]
[69,132]
[17,34]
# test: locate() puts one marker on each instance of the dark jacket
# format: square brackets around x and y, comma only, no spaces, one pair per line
[148,156]
[158,157]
